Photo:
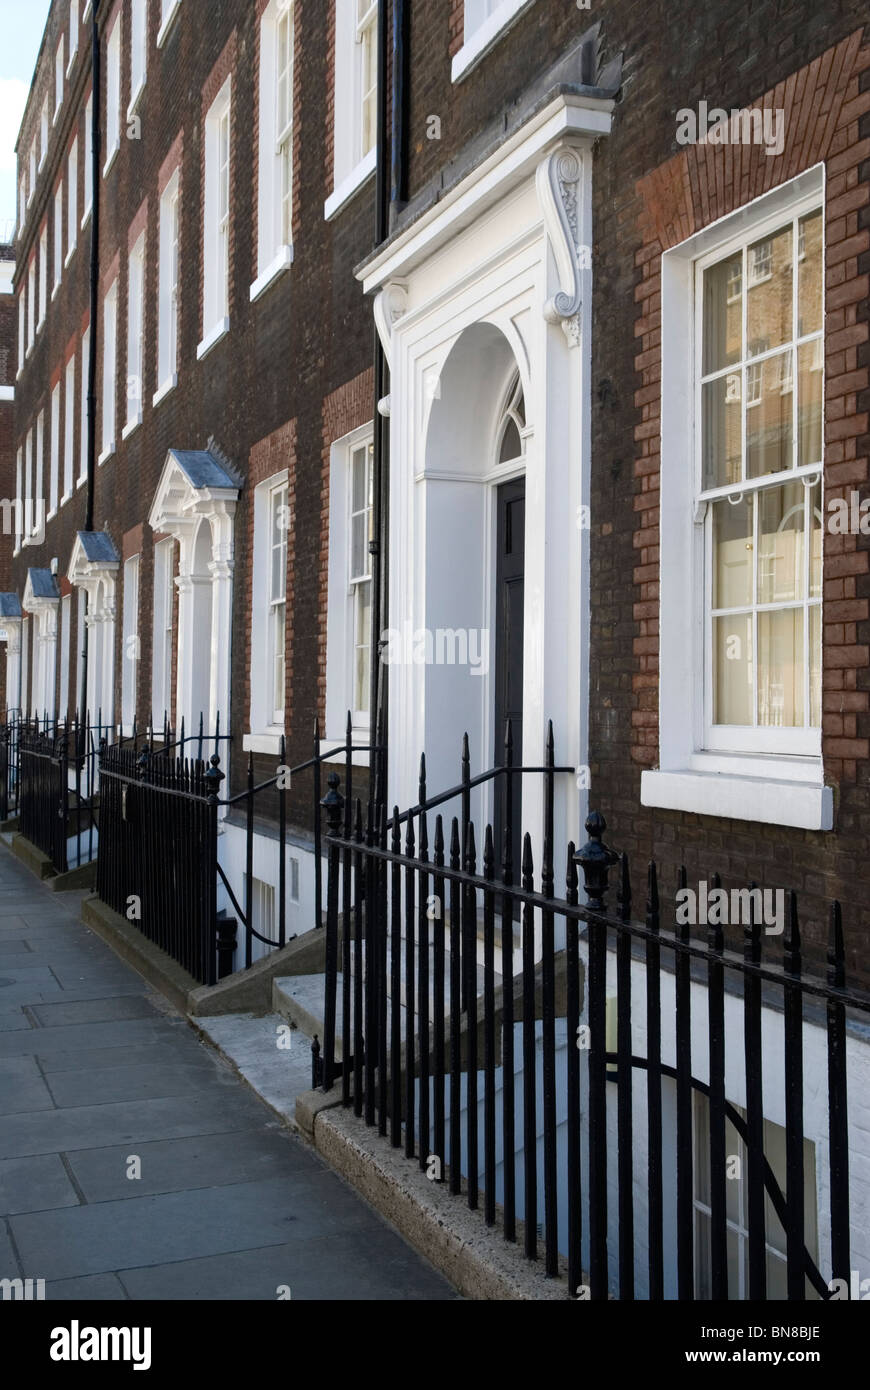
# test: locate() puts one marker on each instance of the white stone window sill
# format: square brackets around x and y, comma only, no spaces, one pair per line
[276,267]
[131,426]
[83,478]
[349,185]
[770,801]
[107,452]
[111,157]
[167,23]
[263,743]
[72,61]
[50,515]
[53,298]
[28,352]
[478,44]
[86,216]
[87,9]
[56,114]
[220,330]
[163,391]
[69,255]
[40,166]
[7,393]
[67,497]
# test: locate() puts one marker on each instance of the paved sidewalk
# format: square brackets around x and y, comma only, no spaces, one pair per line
[97,1071]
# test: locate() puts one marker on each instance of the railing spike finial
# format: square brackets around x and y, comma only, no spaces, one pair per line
[551,745]
[836,949]
[470,849]
[792,941]
[488,853]
[349,727]
[396,843]
[623,896]
[333,803]
[454,842]
[652,896]
[596,860]
[439,839]
[571,878]
[421,781]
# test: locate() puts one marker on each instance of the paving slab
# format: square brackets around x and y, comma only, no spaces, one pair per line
[35,1183]
[229,1203]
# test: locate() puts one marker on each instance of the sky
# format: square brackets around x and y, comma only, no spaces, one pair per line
[21,23]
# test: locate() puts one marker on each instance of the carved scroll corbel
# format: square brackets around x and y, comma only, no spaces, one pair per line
[559,180]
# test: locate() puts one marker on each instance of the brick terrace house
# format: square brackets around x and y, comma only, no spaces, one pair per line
[627,377]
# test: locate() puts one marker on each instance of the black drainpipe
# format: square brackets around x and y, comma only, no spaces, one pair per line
[390,195]
[96,107]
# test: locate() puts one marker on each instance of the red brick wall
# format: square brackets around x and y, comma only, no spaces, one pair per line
[822,104]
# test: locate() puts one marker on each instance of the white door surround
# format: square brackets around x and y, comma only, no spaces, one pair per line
[10,626]
[42,600]
[495,277]
[94,567]
[195,502]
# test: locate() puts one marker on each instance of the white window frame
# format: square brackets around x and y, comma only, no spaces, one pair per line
[39,484]
[33,167]
[217,206]
[163,636]
[31,304]
[43,276]
[168,10]
[72,189]
[19,500]
[54,470]
[351,166]
[130,639]
[59,75]
[110,370]
[83,430]
[341,616]
[28,487]
[169,252]
[780,786]
[484,23]
[69,419]
[274,247]
[73,34]
[87,172]
[113,94]
[65,640]
[22,310]
[266,722]
[138,52]
[58,239]
[43,133]
[135,336]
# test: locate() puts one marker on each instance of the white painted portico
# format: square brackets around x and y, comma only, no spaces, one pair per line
[494,278]
[42,600]
[195,502]
[94,567]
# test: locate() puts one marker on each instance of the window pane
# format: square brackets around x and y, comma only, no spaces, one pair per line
[732,553]
[359,480]
[768,424]
[732,657]
[816,541]
[810,273]
[815,639]
[721,430]
[781,542]
[781,668]
[363,638]
[723,313]
[278,666]
[768,292]
[810,402]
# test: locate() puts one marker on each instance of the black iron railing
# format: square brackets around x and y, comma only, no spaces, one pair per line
[9,732]
[159,863]
[158,850]
[55,773]
[580,1054]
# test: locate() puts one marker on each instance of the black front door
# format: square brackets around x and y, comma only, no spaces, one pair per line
[510,584]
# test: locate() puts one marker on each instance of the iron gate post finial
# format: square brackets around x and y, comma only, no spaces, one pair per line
[333,803]
[214,777]
[595,859]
